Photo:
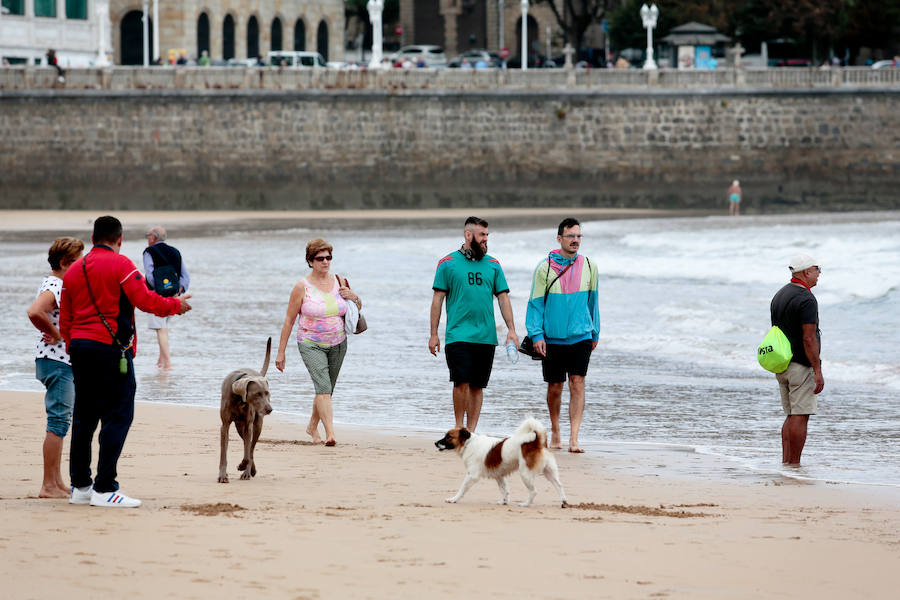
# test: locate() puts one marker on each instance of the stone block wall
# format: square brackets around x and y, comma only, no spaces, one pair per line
[298,149]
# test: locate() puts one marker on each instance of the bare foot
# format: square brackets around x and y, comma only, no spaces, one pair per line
[331,443]
[555,442]
[53,493]
[575,450]
[314,434]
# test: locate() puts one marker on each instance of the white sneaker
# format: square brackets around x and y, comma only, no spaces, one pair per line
[113,499]
[81,495]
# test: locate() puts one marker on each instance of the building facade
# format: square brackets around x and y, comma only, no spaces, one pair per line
[460,25]
[226,29]
[28,28]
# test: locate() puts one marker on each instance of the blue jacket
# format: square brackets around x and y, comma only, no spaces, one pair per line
[571,313]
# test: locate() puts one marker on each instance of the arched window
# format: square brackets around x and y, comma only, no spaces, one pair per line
[252,38]
[276,34]
[322,39]
[202,34]
[131,32]
[228,37]
[76,9]
[299,36]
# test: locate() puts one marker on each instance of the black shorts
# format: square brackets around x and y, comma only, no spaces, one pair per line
[563,359]
[470,363]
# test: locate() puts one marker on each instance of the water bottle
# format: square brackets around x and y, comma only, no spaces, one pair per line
[512,353]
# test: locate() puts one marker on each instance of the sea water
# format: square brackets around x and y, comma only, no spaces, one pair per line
[684,302]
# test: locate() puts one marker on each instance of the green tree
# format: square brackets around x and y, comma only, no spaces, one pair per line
[575,16]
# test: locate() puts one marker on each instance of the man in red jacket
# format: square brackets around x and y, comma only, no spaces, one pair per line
[96,319]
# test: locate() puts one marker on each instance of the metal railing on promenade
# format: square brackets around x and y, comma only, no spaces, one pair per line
[275,78]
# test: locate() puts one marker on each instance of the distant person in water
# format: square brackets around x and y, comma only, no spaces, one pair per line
[734,199]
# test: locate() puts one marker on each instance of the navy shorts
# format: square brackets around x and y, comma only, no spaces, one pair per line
[470,363]
[566,359]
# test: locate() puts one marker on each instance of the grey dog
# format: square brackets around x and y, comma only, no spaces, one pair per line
[245,401]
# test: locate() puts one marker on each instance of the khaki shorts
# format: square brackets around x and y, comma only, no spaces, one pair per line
[797,384]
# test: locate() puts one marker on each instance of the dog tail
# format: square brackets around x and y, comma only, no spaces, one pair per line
[532,425]
[265,366]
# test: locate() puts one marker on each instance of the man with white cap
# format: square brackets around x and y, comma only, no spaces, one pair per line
[795,311]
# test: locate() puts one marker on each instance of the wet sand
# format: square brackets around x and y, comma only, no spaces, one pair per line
[42,224]
[366,519]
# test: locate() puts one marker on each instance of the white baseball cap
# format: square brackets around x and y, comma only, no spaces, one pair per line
[801,262]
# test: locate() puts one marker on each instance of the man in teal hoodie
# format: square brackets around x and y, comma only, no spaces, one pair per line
[563,320]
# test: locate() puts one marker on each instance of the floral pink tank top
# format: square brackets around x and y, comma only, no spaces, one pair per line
[322,316]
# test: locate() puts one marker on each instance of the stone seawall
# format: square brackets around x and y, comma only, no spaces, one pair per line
[792,149]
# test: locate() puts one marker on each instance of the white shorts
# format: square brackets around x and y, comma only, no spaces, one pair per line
[154,322]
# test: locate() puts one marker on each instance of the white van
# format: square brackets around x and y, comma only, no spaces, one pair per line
[288,58]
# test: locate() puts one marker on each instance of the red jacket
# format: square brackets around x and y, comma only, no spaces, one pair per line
[118,287]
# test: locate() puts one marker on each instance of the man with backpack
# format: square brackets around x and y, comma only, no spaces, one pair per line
[165,274]
[795,310]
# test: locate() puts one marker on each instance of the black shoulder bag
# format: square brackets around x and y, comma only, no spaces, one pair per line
[123,362]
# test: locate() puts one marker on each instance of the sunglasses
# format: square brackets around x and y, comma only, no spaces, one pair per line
[322,258]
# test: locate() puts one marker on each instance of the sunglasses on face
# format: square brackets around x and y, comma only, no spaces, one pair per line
[322,258]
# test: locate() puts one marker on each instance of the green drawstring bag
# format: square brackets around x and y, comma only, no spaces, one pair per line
[774,353]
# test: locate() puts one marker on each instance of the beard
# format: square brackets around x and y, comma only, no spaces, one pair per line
[478,250]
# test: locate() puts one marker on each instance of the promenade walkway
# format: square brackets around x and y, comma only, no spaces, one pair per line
[275,78]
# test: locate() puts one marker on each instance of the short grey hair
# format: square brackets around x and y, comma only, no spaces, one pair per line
[157,231]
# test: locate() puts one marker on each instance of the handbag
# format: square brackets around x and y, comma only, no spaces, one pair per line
[354,321]
[527,348]
[774,353]
[527,345]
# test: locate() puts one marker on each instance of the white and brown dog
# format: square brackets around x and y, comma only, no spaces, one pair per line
[483,456]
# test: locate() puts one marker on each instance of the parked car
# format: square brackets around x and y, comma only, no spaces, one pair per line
[794,62]
[241,62]
[491,59]
[885,64]
[433,55]
[534,62]
[288,58]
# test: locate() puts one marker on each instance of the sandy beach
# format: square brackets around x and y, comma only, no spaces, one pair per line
[366,519]
[40,224]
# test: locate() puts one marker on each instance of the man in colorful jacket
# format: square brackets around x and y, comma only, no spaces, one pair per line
[563,321]
[96,319]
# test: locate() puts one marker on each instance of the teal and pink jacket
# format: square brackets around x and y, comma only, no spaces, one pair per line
[571,313]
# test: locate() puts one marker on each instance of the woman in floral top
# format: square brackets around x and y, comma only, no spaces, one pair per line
[320,300]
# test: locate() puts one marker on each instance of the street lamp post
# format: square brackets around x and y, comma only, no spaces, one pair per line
[524,5]
[375,8]
[156,31]
[501,10]
[649,15]
[146,34]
